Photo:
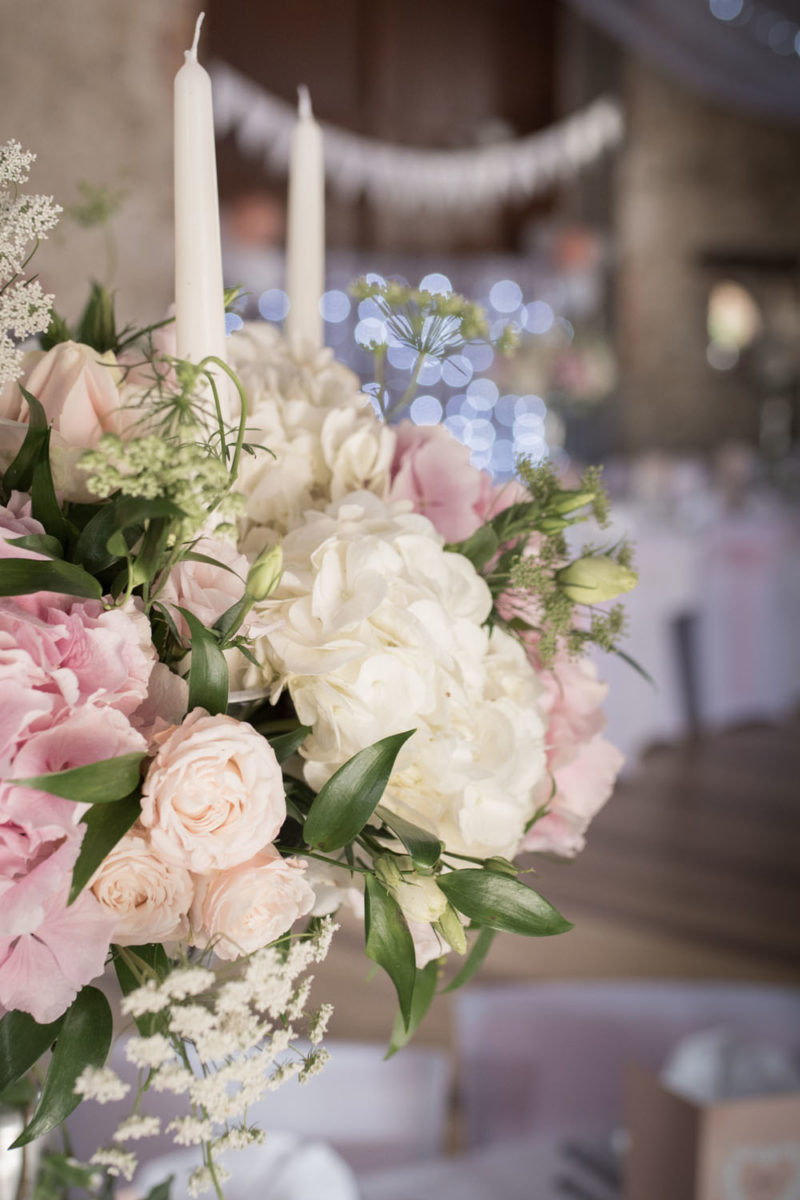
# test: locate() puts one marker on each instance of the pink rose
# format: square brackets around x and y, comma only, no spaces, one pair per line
[433,471]
[147,897]
[206,591]
[47,950]
[251,905]
[214,793]
[77,388]
[164,705]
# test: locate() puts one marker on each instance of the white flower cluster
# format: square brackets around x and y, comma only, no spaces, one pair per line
[315,420]
[24,221]
[221,1042]
[376,629]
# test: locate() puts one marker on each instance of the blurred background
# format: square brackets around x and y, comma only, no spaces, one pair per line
[620,179]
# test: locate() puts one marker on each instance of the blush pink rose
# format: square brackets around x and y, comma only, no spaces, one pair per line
[433,471]
[48,951]
[77,388]
[206,591]
[214,793]
[148,897]
[252,905]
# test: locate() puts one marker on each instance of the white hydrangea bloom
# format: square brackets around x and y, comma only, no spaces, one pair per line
[376,629]
[314,418]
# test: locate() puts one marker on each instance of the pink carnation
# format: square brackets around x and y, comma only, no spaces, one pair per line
[584,766]
[433,471]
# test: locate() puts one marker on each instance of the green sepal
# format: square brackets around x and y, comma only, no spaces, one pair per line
[208,674]
[424,847]
[22,1043]
[83,1041]
[105,825]
[100,782]
[389,942]
[501,902]
[424,992]
[347,801]
[474,960]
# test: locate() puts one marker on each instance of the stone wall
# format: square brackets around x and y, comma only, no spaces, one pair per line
[693,182]
[87,85]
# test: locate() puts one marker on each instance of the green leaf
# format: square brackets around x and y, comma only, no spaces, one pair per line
[637,666]
[299,798]
[105,825]
[480,547]
[44,503]
[151,958]
[21,576]
[474,960]
[389,942]
[100,782]
[424,991]
[19,474]
[125,513]
[97,326]
[424,847]
[42,543]
[22,1043]
[83,1041]
[347,801]
[285,744]
[208,674]
[162,1190]
[502,903]
[18,1095]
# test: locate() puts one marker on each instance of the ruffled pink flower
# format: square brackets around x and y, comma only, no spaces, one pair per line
[204,589]
[433,471]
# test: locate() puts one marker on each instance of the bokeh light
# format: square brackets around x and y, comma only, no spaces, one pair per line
[505,296]
[437,283]
[233,322]
[538,317]
[370,330]
[335,306]
[273,304]
[426,410]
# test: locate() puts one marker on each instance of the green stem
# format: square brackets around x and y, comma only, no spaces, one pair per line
[334,862]
[140,333]
[409,393]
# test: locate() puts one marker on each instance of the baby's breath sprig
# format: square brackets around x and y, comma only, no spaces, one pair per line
[431,324]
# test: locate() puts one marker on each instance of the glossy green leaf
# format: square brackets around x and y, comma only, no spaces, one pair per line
[424,847]
[22,1043]
[124,513]
[19,474]
[21,576]
[389,942]
[44,502]
[208,674]
[83,1041]
[287,744]
[100,782]
[502,903]
[148,959]
[424,992]
[105,825]
[41,543]
[347,801]
[474,960]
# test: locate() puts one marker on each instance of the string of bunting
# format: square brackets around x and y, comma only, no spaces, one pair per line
[400,177]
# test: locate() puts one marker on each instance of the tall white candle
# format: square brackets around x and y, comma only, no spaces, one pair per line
[305,249]
[199,303]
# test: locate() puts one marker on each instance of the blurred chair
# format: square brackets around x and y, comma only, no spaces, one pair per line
[373,1112]
[551,1058]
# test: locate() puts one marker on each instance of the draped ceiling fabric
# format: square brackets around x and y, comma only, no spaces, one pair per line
[749,61]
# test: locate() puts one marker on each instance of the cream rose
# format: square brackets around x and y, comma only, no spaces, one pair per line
[251,905]
[213,795]
[77,388]
[149,898]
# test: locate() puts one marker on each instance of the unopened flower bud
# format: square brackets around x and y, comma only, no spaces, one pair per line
[500,866]
[265,573]
[449,927]
[388,872]
[567,502]
[594,578]
[419,896]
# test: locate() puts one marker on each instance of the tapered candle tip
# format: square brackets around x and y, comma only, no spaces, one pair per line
[197,27]
[304,103]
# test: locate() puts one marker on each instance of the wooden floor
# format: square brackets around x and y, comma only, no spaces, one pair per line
[692,872]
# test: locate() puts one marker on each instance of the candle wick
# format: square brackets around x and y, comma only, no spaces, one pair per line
[193,51]
[304,110]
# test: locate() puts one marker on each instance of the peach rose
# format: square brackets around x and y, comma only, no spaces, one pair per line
[252,905]
[77,388]
[214,793]
[149,898]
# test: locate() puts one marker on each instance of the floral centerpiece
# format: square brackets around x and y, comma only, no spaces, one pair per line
[254,671]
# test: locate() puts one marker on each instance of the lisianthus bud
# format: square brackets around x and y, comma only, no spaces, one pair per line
[594,578]
[449,927]
[265,573]
[566,501]
[419,896]
[388,871]
[500,866]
